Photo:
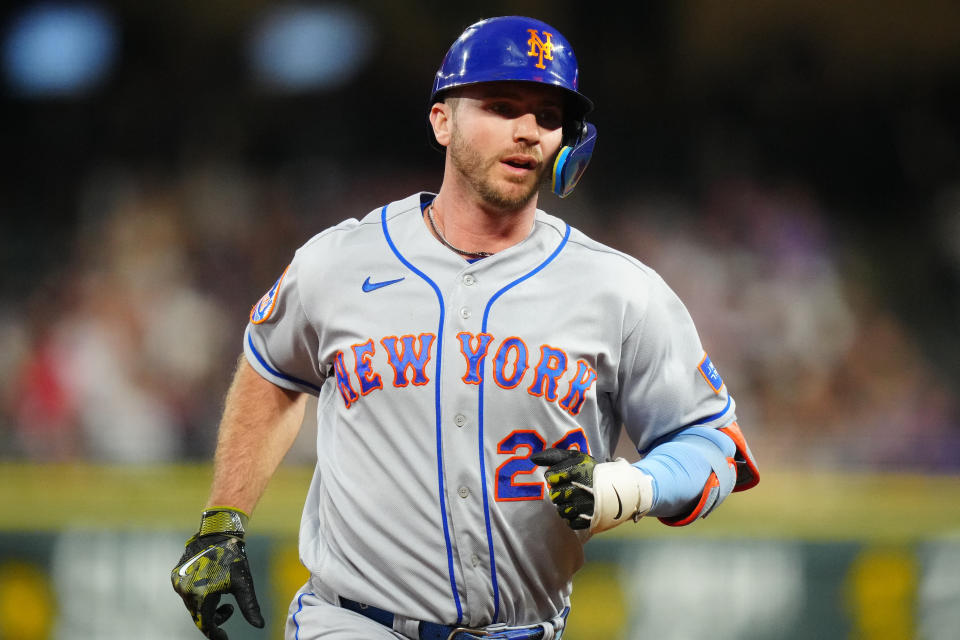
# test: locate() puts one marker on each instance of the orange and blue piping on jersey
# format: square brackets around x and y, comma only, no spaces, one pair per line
[438,430]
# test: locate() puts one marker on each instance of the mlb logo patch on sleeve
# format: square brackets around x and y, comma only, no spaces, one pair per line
[710,374]
[262,310]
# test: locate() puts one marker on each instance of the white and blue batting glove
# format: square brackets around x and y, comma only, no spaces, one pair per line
[595,495]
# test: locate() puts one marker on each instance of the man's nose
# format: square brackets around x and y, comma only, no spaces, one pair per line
[526,129]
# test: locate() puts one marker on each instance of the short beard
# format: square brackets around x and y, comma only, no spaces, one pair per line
[470,165]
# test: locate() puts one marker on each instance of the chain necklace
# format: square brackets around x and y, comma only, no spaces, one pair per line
[446,243]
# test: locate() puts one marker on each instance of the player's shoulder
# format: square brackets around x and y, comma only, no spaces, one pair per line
[353,236]
[331,235]
[612,279]
[597,257]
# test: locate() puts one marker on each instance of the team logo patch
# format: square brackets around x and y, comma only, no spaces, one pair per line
[540,48]
[264,308]
[710,374]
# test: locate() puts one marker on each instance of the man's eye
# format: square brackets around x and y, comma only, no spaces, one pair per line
[550,120]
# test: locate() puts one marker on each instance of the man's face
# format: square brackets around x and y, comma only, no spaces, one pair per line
[503,139]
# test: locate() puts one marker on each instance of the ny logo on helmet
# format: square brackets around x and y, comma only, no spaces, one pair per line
[539,48]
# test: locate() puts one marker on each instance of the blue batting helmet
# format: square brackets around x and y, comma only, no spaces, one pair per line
[520,49]
[512,48]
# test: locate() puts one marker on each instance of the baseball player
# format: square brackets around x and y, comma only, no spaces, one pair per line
[475,360]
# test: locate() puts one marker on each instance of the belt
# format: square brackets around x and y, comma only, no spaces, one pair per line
[435,631]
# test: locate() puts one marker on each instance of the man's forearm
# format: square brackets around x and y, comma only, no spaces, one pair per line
[260,421]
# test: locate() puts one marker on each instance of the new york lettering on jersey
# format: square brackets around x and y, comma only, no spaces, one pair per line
[546,372]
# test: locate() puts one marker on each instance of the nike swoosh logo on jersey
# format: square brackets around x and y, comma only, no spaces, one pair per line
[619,505]
[373,286]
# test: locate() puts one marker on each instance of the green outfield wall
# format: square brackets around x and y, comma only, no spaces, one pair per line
[85,552]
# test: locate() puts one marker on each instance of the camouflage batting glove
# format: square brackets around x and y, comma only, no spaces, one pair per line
[592,495]
[569,476]
[213,564]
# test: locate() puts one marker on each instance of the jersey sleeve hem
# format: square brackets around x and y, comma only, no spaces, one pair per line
[260,365]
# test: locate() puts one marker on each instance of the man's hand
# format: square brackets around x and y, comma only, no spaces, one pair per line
[569,476]
[592,495]
[214,563]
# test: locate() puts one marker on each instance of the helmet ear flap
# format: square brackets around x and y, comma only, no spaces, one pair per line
[572,160]
[574,130]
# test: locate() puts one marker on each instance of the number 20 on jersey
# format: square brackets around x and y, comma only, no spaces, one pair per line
[520,445]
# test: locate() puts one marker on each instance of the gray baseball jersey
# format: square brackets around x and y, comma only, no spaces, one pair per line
[437,378]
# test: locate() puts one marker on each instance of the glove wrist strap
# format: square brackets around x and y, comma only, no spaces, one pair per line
[621,492]
[223,520]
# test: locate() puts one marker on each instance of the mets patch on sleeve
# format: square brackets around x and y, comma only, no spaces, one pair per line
[710,374]
[262,310]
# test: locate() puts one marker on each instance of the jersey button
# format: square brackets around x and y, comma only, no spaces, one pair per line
[475,560]
[469,280]
[463,492]
[465,313]
[460,420]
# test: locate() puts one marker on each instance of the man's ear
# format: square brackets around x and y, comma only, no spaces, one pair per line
[440,114]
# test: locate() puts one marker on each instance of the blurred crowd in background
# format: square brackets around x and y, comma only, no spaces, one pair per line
[124,351]
[830,318]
